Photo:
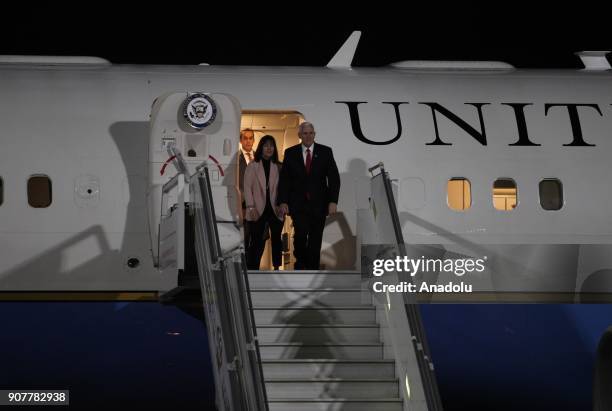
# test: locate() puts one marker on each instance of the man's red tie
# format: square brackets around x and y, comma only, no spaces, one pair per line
[308,161]
[308,164]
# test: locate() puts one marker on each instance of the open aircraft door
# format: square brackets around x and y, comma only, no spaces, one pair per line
[201,127]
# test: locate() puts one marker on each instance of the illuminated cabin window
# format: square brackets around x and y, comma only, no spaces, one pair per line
[459,194]
[39,191]
[505,194]
[551,194]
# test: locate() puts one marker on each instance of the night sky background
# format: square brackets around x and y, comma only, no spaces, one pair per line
[291,33]
[128,355]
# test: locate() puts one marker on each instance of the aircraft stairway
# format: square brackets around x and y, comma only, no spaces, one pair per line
[320,344]
[294,340]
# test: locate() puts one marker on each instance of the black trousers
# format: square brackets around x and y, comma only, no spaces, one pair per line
[246,225]
[258,234]
[307,238]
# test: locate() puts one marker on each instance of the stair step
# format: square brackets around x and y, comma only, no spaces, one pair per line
[328,368]
[305,404]
[309,297]
[316,315]
[277,351]
[331,388]
[316,334]
[299,279]
[320,344]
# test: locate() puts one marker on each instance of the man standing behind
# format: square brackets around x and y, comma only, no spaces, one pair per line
[245,156]
[308,190]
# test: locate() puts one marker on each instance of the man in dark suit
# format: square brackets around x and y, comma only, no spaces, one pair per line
[308,190]
[245,156]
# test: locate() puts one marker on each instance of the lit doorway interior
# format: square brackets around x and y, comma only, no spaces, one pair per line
[283,126]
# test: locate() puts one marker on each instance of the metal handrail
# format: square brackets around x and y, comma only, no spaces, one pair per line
[419,337]
[225,291]
[228,309]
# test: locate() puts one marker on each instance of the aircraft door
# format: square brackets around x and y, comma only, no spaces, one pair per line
[203,127]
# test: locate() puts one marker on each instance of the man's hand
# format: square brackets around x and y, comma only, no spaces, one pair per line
[332,208]
[284,209]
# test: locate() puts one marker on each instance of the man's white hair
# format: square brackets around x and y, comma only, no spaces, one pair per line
[305,124]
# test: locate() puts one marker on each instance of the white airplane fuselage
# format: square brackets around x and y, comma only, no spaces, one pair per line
[82,124]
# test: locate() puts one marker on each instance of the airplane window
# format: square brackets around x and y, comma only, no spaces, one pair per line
[505,194]
[39,191]
[459,194]
[551,194]
[1,191]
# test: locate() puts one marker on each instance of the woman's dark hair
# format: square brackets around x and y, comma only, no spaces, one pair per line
[259,150]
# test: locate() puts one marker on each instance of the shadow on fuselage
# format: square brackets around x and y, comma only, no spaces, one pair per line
[107,266]
[545,268]
[342,254]
[46,269]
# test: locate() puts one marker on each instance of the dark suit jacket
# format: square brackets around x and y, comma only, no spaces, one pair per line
[242,165]
[323,182]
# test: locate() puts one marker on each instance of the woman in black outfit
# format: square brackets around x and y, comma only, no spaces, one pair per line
[260,188]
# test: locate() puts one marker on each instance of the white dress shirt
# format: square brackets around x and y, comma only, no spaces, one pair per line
[246,156]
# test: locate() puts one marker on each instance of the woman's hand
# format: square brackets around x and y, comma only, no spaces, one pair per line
[252,214]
